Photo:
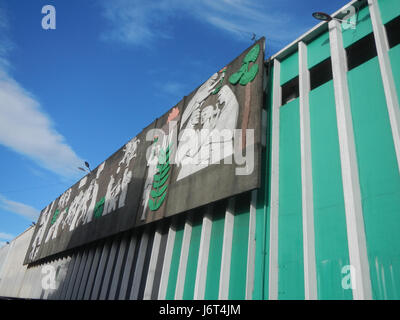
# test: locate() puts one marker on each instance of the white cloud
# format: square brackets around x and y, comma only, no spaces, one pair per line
[19,208]
[139,22]
[24,126]
[6,236]
[26,129]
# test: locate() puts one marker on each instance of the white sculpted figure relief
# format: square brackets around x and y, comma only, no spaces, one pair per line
[213,141]
[129,152]
[41,226]
[126,179]
[62,203]
[89,213]
[151,171]
[117,189]
[153,159]
[111,198]
[81,207]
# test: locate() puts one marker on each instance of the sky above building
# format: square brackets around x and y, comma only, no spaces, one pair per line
[109,68]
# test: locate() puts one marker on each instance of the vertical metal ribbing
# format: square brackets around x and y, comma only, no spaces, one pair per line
[92,272]
[85,276]
[202,262]
[100,271]
[73,276]
[351,184]
[180,281]
[79,275]
[64,263]
[139,265]
[382,47]
[153,263]
[223,292]
[167,261]
[69,261]
[310,272]
[109,269]
[128,267]
[274,201]
[251,249]
[118,268]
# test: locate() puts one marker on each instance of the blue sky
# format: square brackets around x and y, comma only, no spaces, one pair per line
[81,91]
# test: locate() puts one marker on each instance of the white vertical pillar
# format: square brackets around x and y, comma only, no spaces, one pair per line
[310,273]
[155,250]
[167,262]
[351,185]
[202,262]
[274,201]
[251,248]
[223,293]
[180,281]
[389,86]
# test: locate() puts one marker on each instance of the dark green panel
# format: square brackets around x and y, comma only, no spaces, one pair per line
[237,281]
[331,246]
[379,178]
[191,268]
[290,242]
[173,272]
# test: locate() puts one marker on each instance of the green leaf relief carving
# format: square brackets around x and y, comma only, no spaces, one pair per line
[55,216]
[244,75]
[159,190]
[98,208]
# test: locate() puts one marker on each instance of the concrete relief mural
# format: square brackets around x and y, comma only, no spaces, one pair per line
[208,135]
[168,168]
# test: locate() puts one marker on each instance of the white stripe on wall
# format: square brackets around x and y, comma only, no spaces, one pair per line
[310,273]
[351,184]
[223,293]
[180,281]
[274,201]
[251,249]
[204,249]
[167,262]
[382,47]
[155,250]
